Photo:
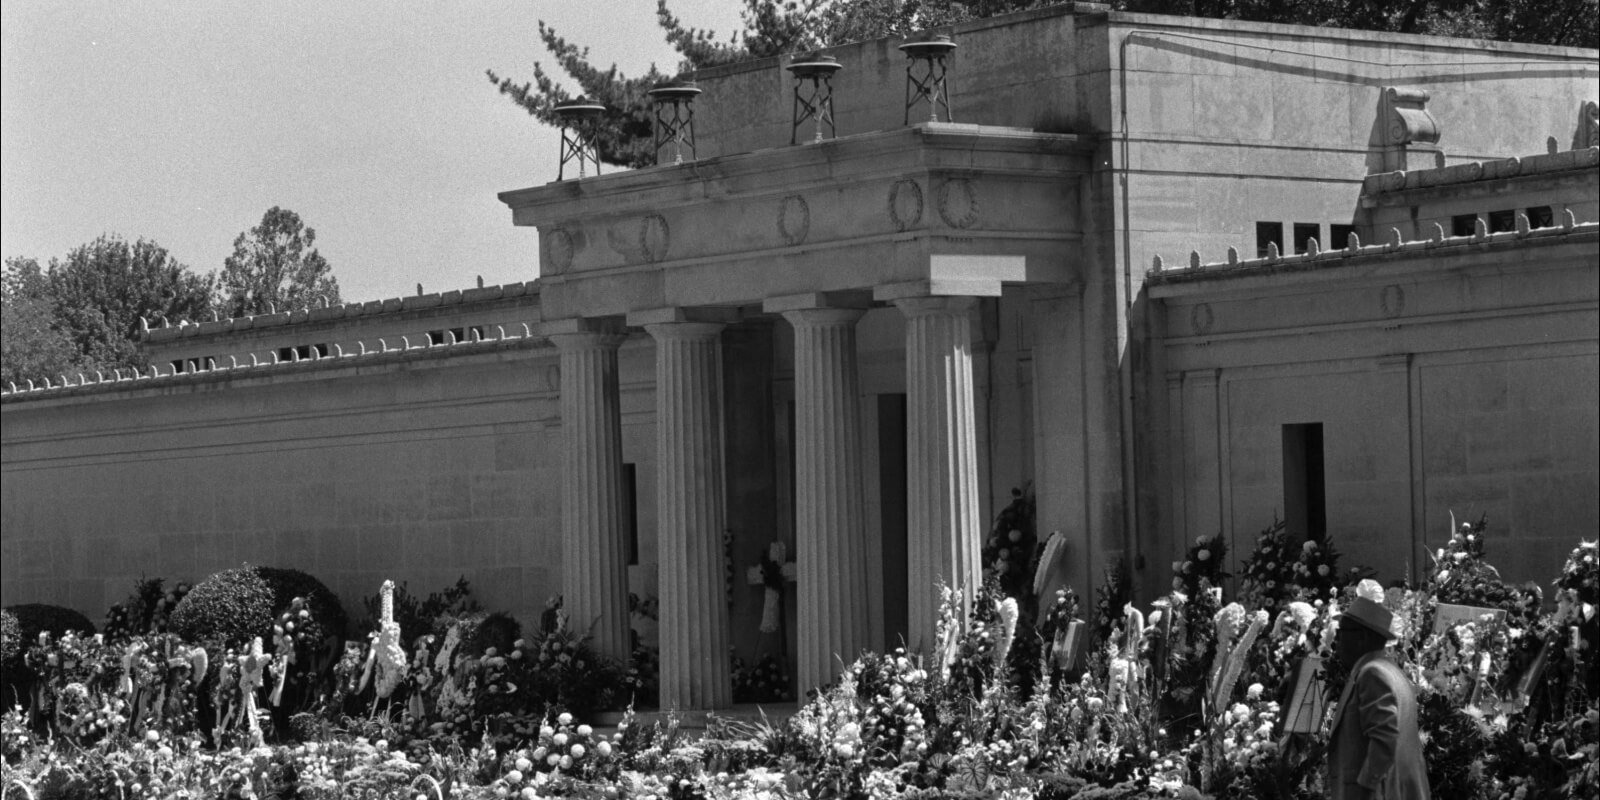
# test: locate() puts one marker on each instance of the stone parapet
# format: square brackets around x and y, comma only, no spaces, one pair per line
[184,329]
[385,350]
[1161,278]
[1544,164]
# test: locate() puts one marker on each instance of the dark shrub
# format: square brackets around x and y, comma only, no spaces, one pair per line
[10,638]
[10,648]
[21,627]
[498,630]
[35,617]
[234,606]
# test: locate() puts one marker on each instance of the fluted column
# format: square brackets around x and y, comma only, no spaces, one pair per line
[829,515]
[594,575]
[690,516]
[943,522]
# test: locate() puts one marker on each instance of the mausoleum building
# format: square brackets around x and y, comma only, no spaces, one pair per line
[1181,277]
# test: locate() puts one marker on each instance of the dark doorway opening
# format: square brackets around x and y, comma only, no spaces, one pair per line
[892,488]
[1305,497]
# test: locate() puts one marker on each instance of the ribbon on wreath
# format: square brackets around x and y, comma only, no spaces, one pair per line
[252,669]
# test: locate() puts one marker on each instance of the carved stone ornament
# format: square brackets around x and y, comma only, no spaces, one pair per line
[905,204]
[1409,121]
[958,203]
[654,238]
[1392,301]
[1201,319]
[619,242]
[794,220]
[559,247]
[1588,126]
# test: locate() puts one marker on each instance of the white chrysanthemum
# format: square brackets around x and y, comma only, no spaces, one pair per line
[1370,589]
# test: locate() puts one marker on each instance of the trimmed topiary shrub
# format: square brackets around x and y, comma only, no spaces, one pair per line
[35,617]
[10,643]
[20,626]
[233,606]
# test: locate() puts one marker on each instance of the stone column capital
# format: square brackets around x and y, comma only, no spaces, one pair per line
[581,333]
[924,306]
[678,314]
[823,317]
[577,342]
[684,331]
[852,298]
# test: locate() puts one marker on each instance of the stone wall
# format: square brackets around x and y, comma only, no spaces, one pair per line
[409,466]
[1459,377]
[1218,123]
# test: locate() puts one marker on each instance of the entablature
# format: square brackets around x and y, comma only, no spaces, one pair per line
[846,214]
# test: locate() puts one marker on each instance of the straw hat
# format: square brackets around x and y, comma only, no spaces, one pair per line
[1370,615]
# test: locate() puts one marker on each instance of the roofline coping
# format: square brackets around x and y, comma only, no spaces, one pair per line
[1476,171]
[1160,275]
[394,305]
[520,335]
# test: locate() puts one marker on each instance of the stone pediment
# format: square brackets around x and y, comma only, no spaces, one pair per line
[898,206]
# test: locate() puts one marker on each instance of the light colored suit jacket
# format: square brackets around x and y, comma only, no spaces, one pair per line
[1375,742]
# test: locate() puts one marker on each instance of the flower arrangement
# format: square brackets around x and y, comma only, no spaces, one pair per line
[477,715]
[1111,599]
[1202,564]
[147,609]
[1268,573]
[765,681]
[1316,569]
[1009,552]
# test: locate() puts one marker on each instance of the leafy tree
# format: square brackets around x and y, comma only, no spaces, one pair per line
[624,134]
[103,289]
[31,344]
[773,27]
[275,265]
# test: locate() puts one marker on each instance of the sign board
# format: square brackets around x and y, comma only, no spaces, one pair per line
[1530,680]
[1447,616]
[1071,646]
[1308,700]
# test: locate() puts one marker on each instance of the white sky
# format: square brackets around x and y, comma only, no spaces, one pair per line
[184,121]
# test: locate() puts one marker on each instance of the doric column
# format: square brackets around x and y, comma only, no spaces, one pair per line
[829,517]
[594,575]
[943,522]
[690,516]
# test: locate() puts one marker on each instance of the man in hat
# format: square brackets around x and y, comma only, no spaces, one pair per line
[1374,751]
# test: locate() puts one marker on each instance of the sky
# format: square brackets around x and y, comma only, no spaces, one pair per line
[183,122]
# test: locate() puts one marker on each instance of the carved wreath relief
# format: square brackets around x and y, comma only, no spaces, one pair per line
[794,219]
[558,245]
[654,238]
[958,203]
[1392,301]
[1201,318]
[905,204]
